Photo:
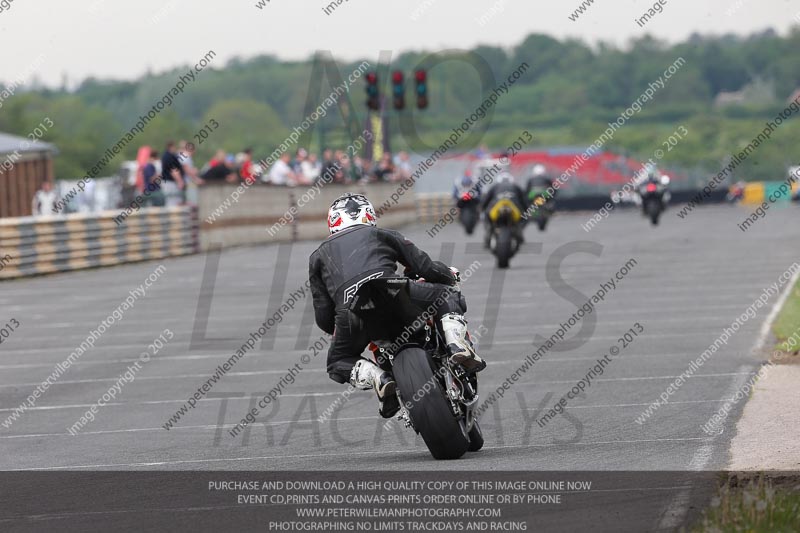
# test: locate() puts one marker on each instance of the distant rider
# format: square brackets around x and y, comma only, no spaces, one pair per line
[356,251]
[540,180]
[466,184]
[503,188]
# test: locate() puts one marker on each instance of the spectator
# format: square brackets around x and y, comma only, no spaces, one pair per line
[189,170]
[385,169]
[152,182]
[186,150]
[299,159]
[329,166]
[402,164]
[222,171]
[281,173]
[218,159]
[87,199]
[172,176]
[359,169]
[347,169]
[246,169]
[44,201]
[367,171]
[311,169]
[340,175]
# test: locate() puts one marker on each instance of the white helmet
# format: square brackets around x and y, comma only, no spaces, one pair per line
[504,177]
[349,210]
[539,170]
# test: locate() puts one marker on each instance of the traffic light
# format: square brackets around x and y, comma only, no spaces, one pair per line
[398,90]
[373,93]
[422,88]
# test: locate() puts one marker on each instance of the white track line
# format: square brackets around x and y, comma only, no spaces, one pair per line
[773,314]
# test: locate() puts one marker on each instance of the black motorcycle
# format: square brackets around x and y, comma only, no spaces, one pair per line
[437,398]
[469,211]
[653,201]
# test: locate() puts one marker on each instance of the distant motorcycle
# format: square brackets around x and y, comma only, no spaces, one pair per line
[653,200]
[543,207]
[735,193]
[437,398]
[469,211]
[504,240]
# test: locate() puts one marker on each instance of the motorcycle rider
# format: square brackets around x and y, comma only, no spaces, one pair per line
[466,184]
[648,174]
[652,184]
[503,188]
[357,251]
[540,180]
[652,175]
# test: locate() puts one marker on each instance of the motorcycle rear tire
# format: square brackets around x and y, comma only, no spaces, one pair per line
[653,211]
[475,438]
[430,411]
[469,218]
[503,247]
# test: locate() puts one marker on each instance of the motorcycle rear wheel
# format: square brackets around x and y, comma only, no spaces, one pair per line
[503,247]
[469,218]
[428,408]
[653,210]
[475,438]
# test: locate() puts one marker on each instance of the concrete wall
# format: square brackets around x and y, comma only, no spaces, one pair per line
[253,210]
[32,246]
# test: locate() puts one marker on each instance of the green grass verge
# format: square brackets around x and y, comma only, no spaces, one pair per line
[754,505]
[788,322]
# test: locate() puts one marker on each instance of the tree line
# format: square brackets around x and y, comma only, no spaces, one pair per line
[723,94]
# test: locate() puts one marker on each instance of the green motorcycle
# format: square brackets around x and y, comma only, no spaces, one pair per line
[542,206]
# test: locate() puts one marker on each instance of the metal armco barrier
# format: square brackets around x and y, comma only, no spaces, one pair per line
[43,245]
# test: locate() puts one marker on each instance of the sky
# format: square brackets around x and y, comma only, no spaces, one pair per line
[121,39]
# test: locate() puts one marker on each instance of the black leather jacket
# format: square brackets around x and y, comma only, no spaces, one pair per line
[499,190]
[352,256]
[539,182]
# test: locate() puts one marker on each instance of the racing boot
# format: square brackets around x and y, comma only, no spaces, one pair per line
[367,375]
[459,344]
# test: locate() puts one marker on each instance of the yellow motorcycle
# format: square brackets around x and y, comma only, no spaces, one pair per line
[504,217]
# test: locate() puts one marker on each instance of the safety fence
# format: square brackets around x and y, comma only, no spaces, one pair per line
[432,206]
[42,245]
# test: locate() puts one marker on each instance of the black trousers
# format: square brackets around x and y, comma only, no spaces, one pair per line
[350,340]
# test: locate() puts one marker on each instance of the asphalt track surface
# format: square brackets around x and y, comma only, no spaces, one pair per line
[691,279]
